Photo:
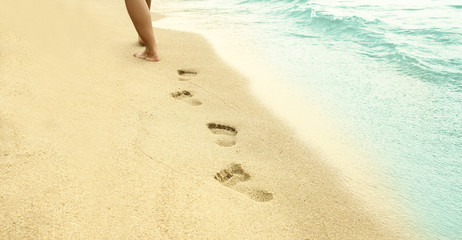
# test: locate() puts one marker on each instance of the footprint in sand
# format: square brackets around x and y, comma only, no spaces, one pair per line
[227,134]
[233,175]
[186,97]
[186,74]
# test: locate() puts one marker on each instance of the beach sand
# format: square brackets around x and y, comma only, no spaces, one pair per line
[97,144]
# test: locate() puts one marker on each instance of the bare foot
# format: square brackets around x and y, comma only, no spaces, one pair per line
[148,57]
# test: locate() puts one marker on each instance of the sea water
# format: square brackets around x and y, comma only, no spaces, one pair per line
[389,72]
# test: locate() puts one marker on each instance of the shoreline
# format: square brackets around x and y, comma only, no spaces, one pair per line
[321,134]
[107,145]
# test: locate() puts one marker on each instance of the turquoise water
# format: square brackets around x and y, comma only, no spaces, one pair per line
[390,70]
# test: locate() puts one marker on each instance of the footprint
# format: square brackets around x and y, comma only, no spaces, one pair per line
[233,175]
[227,134]
[186,74]
[187,97]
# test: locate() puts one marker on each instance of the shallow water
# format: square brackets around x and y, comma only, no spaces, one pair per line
[390,73]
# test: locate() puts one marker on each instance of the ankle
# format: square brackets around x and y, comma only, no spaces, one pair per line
[150,52]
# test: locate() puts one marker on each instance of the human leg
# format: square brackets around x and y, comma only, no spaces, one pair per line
[148,2]
[141,18]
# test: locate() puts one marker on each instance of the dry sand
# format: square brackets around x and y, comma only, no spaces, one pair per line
[97,144]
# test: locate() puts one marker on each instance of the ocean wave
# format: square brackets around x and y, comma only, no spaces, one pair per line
[410,50]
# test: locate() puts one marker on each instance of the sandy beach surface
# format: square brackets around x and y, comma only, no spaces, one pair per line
[97,144]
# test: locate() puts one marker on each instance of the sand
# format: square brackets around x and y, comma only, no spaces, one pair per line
[97,144]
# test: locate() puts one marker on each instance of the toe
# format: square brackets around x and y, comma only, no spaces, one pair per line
[140,55]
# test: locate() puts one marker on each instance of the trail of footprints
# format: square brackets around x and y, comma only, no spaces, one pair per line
[233,175]
[185,95]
